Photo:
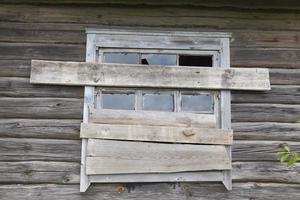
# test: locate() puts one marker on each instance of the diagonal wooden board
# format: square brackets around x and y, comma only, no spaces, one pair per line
[129,75]
[119,157]
[171,134]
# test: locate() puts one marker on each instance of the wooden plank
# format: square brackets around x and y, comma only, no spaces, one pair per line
[265,57]
[20,87]
[15,68]
[242,172]
[118,157]
[77,73]
[163,191]
[266,131]
[154,133]
[265,172]
[205,176]
[225,108]
[89,102]
[22,149]
[285,76]
[252,112]
[65,33]
[106,116]
[70,128]
[43,108]
[180,16]
[283,94]
[39,172]
[259,150]
[28,51]
[32,172]
[168,40]
[40,128]
[278,5]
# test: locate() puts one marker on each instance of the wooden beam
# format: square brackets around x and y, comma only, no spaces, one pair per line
[205,176]
[171,134]
[118,157]
[125,75]
[134,117]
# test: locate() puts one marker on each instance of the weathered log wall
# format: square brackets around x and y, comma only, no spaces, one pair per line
[39,125]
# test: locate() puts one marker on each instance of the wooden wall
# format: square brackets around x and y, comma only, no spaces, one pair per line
[39,125]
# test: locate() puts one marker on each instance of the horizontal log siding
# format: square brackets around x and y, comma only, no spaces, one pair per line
[39,125]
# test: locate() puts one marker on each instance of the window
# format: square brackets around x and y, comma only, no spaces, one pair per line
[157,117]
[155,100]
[165,106]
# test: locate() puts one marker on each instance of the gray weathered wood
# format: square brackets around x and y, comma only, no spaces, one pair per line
[173,134]
[24,149]
[20,87]
[106,116]
[249,112]
[243,150]
[40,128]
[43,108]
[39,172]
[278,5]
[205,176]
[31,172]
[198,17]
[118,157]
[15,68]
[225,108]
[168,40]
[267,131]
[28,51]
[265,57]
[163,191]
[89,103]
[284,94]
[265,172]
[285,76]
[76,73]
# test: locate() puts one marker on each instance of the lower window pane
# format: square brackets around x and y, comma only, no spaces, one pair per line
[118,101]
[194,103]
[158,102]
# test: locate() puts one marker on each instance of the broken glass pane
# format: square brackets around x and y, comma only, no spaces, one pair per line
[158,59]
[193,60]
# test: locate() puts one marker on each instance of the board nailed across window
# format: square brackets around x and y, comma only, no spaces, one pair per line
[156,105]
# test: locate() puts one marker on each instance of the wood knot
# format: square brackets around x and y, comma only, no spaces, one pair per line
[188,133]
[120,189]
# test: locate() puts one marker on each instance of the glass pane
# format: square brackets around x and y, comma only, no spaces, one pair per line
[118,101]
[159,102]
[122,58]
[196,103]
[158,59]
[190,60]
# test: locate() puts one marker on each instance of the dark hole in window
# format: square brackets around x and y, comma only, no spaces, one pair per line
[189,60]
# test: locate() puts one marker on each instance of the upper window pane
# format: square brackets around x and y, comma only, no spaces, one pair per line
[122,58]
[193,60]
[158,59]
[118,101]
[159,102]
[197,103]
